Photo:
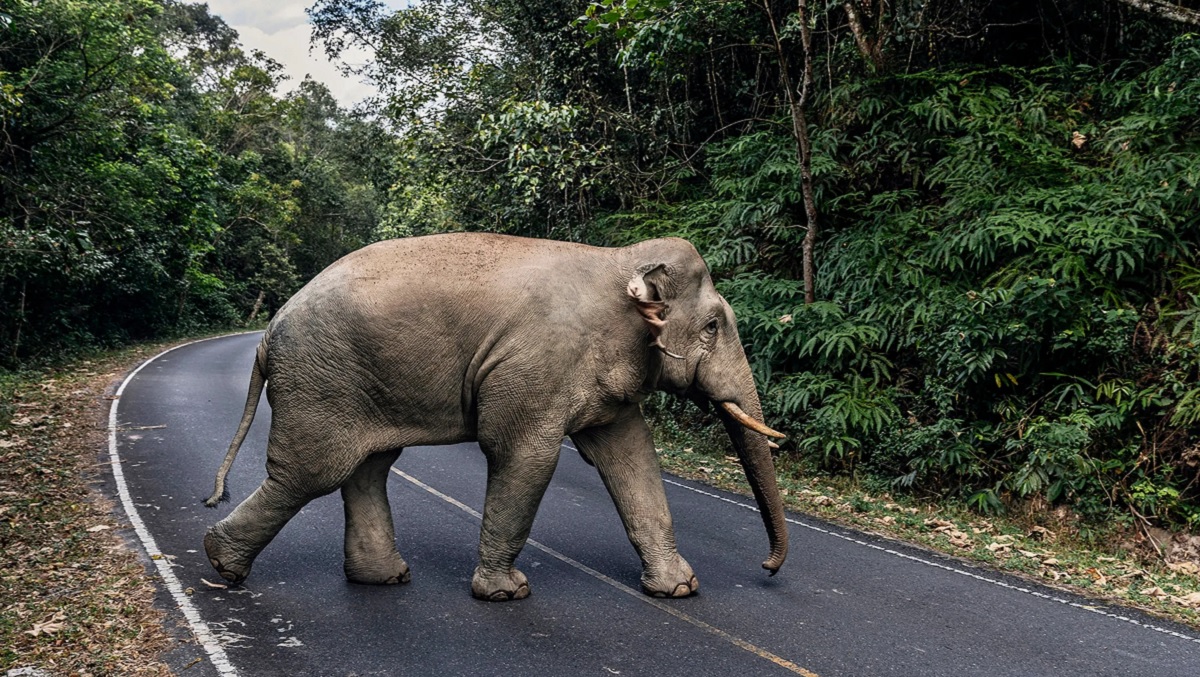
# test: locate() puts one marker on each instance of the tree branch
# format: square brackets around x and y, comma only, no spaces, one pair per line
[1167,10]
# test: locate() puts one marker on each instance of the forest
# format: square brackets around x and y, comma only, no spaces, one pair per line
[960,236]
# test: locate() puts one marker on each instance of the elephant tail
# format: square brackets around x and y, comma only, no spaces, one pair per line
[258,378]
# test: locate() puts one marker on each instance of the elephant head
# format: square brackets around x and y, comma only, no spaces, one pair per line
[700,355]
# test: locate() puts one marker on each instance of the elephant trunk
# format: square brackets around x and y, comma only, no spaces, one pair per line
[741,412]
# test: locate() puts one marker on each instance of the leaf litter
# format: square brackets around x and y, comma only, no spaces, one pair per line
[74,598]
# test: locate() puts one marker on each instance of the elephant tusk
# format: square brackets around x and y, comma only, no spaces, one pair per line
[772,445]
[746,420]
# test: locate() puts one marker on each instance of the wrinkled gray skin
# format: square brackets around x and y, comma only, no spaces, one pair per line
[508,341]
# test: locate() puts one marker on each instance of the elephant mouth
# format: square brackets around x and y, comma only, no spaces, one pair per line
[749,422]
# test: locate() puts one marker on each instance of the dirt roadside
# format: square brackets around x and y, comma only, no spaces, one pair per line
[77,594]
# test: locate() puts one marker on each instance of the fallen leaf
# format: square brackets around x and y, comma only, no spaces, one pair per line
[999,548]
[1153,591]
[1189,568]
[959,539]
[823,500]
[98,527]
[1041,533]
[55,624]
[210,584]
[1192,600]
[1051,561]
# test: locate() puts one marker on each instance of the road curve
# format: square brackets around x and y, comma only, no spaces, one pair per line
[845,603]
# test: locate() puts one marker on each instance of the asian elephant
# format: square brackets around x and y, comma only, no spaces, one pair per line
[514,343]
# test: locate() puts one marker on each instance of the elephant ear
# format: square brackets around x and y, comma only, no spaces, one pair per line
[648,290]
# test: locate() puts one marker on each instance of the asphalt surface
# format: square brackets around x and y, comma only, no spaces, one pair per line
[844,604]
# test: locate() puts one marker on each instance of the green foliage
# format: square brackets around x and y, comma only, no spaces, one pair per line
[153,182]
[1008,278]
[1008,290]
[1011,265]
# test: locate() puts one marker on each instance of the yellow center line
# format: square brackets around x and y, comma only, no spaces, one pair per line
[658,604]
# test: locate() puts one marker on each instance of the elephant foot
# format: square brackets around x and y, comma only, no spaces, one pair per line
[501,587]
[672,580]
[227,564]
[391,570]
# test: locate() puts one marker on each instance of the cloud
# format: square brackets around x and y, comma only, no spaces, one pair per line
[282,31]
[268,17]
[290,47]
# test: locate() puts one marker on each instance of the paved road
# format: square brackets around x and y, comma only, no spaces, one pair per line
[845,603]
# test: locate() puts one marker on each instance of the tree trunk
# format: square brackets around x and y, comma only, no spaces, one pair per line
[257,306]
[869,42]
[797,104]
[20,323]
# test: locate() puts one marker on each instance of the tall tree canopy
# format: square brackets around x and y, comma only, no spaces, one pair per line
[960,235]
[154,182]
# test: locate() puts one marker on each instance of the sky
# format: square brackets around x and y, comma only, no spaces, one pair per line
[280,28]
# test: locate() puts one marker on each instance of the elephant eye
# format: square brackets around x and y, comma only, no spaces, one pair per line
[711,327]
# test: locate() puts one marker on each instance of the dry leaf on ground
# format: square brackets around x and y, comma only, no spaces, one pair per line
[1191,601]
[55,624]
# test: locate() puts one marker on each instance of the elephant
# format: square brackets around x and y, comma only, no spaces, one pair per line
[510,342]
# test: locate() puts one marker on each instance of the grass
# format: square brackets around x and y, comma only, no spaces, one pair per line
[1038,543]
[75,597]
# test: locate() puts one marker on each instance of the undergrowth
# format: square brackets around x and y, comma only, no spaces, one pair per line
[1008,285]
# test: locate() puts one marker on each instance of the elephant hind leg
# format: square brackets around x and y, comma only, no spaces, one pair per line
[234,542]
[371,555]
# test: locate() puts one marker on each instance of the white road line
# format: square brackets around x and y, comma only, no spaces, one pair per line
[961,572]
[216,654]
[662,606]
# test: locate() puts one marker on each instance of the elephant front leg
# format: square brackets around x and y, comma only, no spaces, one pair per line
[623,452]
[518,474]
[371,555]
